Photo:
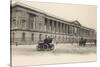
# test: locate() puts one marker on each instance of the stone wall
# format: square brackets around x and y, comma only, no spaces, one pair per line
[29,26]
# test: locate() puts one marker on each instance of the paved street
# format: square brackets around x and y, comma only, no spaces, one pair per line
[63,53]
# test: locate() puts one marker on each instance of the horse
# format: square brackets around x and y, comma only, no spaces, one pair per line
[82,42]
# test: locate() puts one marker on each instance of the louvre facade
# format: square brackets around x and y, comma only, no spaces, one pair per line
[30,25]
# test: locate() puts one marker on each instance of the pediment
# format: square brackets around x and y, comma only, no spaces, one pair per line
[76,23]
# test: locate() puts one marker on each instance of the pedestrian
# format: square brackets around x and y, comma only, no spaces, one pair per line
[81,42]
[84,42]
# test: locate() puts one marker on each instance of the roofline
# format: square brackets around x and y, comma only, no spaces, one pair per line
[87,28]
[40,11]
[45,13]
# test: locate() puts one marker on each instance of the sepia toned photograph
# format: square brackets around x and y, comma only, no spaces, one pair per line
[43,33]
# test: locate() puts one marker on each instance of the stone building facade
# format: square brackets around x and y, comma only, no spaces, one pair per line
[29,25]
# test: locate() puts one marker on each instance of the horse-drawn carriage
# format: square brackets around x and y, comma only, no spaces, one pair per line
[45,45]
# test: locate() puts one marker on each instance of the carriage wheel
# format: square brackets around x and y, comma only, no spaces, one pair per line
[45,46]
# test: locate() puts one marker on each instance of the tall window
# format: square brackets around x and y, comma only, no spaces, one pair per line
[14,22]
[31,20]
[40,37]
[23,22]
[31,24]
[23,36]
[32,37]
[45,21]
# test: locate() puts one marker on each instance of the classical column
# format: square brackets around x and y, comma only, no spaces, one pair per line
[63,28]
[60,27]
[70,29]
[52,27]
[56,27]
[73,30]
[78,31]
[47,26]
[82,32]
[34,23]
[67,29]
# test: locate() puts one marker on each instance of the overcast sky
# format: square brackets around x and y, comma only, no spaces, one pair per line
[85,14]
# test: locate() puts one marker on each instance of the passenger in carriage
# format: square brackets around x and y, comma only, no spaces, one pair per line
[48,40]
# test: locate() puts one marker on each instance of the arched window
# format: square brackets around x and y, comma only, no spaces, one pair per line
[23,36]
